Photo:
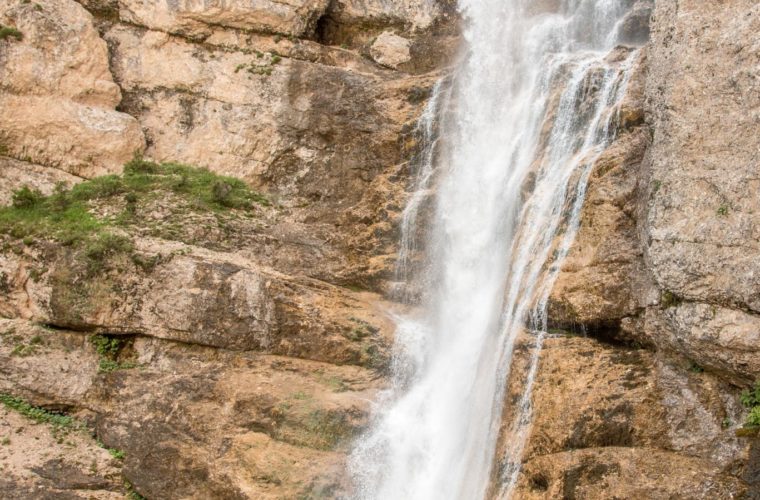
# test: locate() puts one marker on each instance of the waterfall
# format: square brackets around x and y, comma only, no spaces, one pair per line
[530,108]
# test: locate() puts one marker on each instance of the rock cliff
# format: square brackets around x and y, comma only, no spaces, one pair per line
[171,332]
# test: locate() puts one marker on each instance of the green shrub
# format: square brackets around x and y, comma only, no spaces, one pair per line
[10,32]
[669,299]
[107,244]
[26,198]
[106,346]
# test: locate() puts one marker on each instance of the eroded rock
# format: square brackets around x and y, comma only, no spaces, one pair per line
[58,96]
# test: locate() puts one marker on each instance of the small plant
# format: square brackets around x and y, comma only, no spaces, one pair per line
[114,452]
[108,365]
[131,493]
[23,350]
[656,185]
[39,415]
[106,346]
[669,299]
[10,32]
[695,368]
[264,68]
[722,210]
[751,399]
[5,441]
[753,419]
[26,198]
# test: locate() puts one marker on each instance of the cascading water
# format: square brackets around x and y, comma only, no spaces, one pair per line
[529,111]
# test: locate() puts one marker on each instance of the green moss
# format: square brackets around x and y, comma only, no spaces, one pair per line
[108,348]
[114,452]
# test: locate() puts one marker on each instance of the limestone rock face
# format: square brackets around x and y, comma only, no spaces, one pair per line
[17,174]
[199,19]
[591,429]
[701,241]
[58,96]
[390,50]
[280,432]
[248,348]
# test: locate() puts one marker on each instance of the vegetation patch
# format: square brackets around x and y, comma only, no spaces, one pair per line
[67,215]
[23,350]
[60,425]
[10,32]
[751,400]
[263,64]
[114,452]
[108,348]
[669,299]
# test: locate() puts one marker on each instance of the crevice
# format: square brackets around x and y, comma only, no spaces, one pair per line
[608,332]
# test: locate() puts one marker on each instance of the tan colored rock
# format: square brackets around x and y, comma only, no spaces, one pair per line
[625,472]
[412,14]
[58,96]
[286,133]
[280,433]
[705,214]
[17,174]
[35,464]
[701,217]
[390,50]
[601,412]
[80,139]
[201,297]
[600,281]
[199,19]
[716,338]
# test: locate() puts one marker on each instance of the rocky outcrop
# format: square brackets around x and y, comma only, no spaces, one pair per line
[664,259]
[242,347]
[247,346]
[606,417]
[700,232]
[58,96]
[598,285]
[199,20]
[681,246]
[190,421]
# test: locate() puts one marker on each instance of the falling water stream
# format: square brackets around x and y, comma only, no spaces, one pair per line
[509,143]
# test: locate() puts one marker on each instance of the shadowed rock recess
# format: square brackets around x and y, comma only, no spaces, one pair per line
[201,217]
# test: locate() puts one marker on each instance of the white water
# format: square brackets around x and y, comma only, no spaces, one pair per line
[530,109]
